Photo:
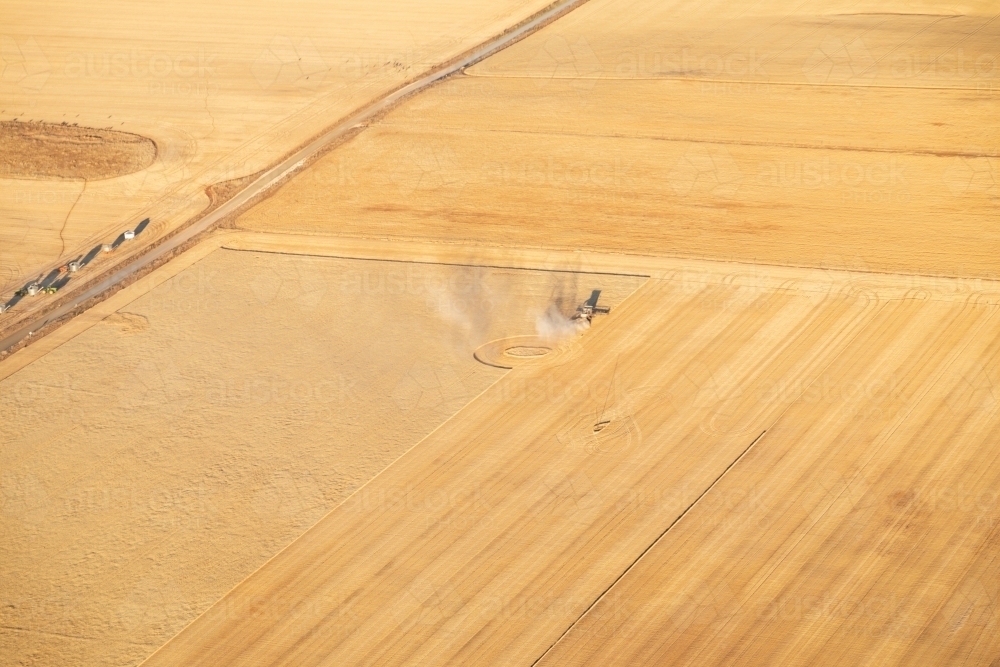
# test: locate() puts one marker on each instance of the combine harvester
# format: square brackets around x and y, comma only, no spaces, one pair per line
[590,308]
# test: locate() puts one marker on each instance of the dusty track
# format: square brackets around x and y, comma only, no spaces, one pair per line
[291,164]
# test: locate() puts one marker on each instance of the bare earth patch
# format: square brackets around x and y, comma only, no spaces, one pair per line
[47,150]
[128,323]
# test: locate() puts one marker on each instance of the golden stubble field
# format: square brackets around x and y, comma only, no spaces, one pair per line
[224,89]
[807,134]
[859,528]
[734,468]
[862,528]
[156,459]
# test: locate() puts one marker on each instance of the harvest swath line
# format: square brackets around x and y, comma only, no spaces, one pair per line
[787,84]
[274,175]
[762,144]
[651,545]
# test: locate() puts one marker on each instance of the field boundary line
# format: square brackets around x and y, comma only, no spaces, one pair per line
[796,84]
[887,285]
[689,270]
[94,315]
[650,546]
[842,148]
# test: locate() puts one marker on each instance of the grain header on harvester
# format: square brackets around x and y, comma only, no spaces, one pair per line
[590,308]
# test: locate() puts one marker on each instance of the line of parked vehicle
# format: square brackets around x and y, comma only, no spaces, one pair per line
[57,278]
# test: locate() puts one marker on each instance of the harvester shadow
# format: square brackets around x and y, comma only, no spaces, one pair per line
[91,255]
[51,278]
[21,293]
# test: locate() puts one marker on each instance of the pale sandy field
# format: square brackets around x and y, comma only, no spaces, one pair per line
[158,458]
[688,129]
[224,89]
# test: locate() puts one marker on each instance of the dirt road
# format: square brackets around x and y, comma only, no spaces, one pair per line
[287,167]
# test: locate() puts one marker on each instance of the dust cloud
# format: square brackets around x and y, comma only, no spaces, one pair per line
[466,301]
[553,325]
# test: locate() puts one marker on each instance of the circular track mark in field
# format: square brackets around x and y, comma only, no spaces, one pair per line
[612,432]
[41,151]
[513,351]
[526,351]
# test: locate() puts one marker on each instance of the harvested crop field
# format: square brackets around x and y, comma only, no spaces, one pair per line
[664,129]
[381,415]
[783,422]
[162,455]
